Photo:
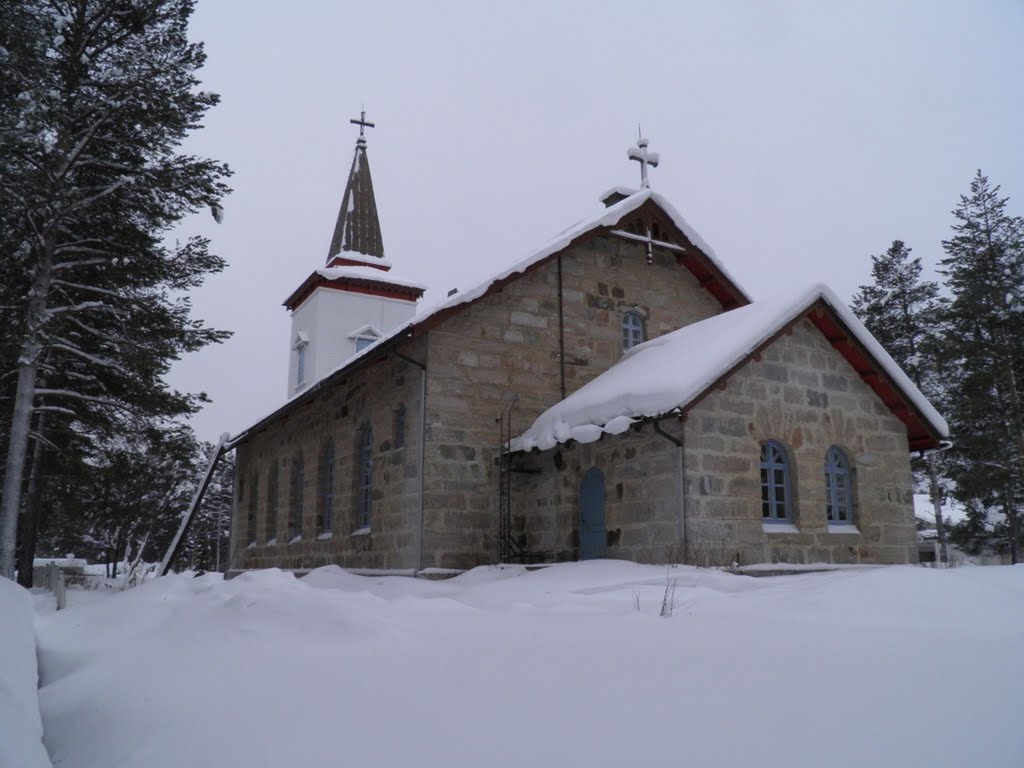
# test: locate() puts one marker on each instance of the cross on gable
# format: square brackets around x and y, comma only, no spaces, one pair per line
[645,158]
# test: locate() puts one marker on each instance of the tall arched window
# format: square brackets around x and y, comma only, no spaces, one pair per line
[838,506]
[776,499]
[298,482]
[365,496]
[325,518]
[272,504]
[250,520]
[632,330]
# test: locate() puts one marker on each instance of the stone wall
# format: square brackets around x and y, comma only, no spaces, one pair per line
[800,392]
[507,345]
[642,490]
[371,396]
[804,394]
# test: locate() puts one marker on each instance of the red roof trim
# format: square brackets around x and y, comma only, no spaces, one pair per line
[920,435]
[364,285]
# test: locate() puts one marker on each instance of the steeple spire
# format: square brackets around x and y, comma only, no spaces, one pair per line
[358,228]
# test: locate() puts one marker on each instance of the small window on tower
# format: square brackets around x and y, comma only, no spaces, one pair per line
[364,337]
[300,364]
[300,346]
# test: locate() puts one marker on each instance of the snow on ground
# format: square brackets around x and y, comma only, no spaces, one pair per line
[21,730]
[502,667]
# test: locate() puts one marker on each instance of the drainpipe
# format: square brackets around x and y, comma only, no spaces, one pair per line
[423,446]
[561,329]
[678,443]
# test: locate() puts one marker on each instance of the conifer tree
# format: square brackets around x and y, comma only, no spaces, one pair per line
[95,98]
[984,349]
[902,311]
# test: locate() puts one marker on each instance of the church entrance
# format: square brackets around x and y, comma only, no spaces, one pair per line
[593,531]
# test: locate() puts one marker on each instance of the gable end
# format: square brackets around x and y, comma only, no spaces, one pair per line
[920,435]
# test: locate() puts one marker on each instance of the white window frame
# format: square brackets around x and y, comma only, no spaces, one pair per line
[632,330]
[838,487]
[365,336]
[300,346]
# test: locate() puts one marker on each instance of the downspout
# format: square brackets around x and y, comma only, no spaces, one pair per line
[561,328]
[680,470]
[423,447]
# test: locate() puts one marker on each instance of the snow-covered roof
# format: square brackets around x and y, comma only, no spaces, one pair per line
[367,273]
[376,261]
[607,217]
[617,190]
[667,373]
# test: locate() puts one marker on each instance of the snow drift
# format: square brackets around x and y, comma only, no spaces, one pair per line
[570,666]
[21,730]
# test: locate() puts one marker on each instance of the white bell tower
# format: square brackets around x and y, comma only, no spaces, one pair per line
[352,301]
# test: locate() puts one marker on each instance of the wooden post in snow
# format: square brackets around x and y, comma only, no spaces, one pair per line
[186,520]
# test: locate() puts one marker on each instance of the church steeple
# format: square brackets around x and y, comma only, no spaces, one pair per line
[358,228]
[354,301]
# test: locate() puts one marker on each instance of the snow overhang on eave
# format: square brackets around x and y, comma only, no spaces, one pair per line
[926,429]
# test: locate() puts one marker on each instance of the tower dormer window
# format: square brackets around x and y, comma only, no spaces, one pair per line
[364,337]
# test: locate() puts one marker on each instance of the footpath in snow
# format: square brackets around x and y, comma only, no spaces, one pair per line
[566,666]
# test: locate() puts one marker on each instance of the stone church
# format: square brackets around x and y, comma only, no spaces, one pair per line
[615,394]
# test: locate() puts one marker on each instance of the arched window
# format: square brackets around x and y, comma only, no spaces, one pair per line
[253,500]
[838,506]
[398,427]
[632,330]
[365,496]
[298,482]
[272,504]
[325,518]
[776,499]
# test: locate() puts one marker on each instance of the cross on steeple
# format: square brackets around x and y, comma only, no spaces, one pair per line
[362,122]
[645,158]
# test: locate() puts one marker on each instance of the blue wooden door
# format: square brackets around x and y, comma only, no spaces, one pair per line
[593,532]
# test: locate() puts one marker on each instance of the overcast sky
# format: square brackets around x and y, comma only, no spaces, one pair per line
[798,138]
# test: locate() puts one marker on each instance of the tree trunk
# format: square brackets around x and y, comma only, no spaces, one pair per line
[29,528]
[1018,433]
[28,369]
[935,494]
